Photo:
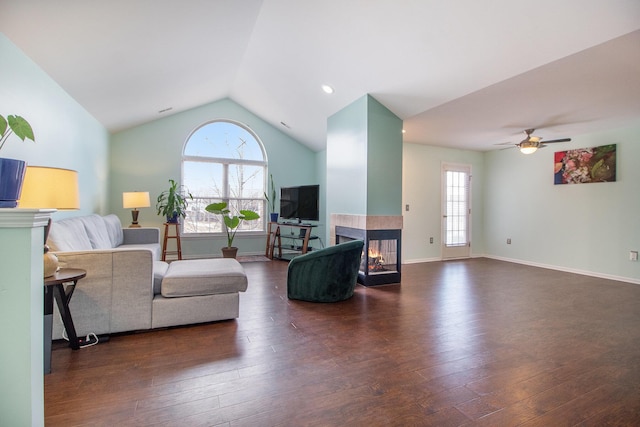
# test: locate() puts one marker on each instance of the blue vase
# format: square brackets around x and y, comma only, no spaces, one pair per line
[11,177]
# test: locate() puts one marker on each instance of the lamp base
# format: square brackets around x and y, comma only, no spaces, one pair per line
[134,218]
[50,264]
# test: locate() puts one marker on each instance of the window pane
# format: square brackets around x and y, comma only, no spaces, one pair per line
[203,178]
[246,181]
[216,171]
[223,140]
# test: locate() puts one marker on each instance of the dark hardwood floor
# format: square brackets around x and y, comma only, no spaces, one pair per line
[461,343]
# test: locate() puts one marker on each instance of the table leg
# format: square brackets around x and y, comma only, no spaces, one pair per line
[48,324]
[63,307]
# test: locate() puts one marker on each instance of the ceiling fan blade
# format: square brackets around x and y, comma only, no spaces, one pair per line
[505,143]
[558,140]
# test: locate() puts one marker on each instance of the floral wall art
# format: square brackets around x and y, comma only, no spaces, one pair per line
[585,165]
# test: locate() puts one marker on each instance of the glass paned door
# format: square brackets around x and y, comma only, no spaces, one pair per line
[456,211]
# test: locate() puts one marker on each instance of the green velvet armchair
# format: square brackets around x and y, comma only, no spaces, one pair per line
[325,275]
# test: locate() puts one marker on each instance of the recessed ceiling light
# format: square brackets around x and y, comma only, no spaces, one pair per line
[404,131]
[327,89]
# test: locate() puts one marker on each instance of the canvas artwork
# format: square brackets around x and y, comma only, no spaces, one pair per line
[585,165]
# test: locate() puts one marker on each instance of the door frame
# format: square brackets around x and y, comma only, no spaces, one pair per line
[455,252]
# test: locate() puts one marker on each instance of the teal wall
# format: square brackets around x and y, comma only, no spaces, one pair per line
[67,136]
[384,160]
[364,160]
[346,160]
[144,158]
[584,227]
[422,191]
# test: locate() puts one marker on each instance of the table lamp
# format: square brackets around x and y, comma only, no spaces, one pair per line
[49,188]
[134,200]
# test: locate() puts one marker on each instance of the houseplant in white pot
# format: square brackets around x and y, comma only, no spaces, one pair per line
[231,223]
[11,170]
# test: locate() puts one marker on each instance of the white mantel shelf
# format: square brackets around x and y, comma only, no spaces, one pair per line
[21,218]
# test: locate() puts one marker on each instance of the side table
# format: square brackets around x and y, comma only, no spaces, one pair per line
[54,289]
[176,236]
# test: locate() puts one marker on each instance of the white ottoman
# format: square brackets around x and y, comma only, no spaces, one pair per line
[203,277]
[196,291]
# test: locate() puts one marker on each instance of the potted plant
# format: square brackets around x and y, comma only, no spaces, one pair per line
[11,170]
[172,203]
[231,224]
[271,201]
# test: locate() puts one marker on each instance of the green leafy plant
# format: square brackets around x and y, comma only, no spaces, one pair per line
[231,222]
[271,201]
[174,201]
[14,125]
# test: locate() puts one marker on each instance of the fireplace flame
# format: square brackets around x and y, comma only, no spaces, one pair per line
[376,260]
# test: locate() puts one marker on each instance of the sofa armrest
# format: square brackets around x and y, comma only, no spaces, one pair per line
[137,236]
[115,295]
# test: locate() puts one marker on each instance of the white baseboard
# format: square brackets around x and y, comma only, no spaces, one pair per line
[540,265]
[568,270]
[420,260]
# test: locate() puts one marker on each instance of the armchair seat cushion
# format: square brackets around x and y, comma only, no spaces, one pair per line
[325,275]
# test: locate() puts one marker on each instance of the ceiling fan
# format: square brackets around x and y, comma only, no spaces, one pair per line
[531,143]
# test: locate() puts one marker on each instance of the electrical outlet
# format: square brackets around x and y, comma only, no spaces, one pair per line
[509,241]
[633,255]
[431,240]
[406,207]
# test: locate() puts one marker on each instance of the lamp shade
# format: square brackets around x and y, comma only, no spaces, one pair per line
[49,188]
[135,199]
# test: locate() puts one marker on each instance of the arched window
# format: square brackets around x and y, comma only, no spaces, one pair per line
[223,161]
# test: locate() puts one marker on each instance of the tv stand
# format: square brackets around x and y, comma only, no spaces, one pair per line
[298,242]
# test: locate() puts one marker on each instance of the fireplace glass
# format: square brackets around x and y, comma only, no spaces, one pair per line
[380,262]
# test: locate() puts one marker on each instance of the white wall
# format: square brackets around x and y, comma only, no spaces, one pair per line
[585,227]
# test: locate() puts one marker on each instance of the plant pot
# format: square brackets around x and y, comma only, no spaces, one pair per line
[229,252]
[11,177]
[173,219]
[274,216]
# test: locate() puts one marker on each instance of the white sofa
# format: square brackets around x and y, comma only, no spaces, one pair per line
[122,290]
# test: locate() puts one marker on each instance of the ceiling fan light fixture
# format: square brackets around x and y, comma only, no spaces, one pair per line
[528,149]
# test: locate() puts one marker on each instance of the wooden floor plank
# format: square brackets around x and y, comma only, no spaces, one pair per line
[473,342]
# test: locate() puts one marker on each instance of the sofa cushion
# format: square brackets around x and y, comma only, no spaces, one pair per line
[114,229]
[68,235]
[203,277]
[97,231]
[159,271]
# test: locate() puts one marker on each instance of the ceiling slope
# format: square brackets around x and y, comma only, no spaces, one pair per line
[464,74]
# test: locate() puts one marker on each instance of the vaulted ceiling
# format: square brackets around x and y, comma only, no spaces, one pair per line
[465,73]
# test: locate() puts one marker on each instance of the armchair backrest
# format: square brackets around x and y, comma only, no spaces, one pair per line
[325,275]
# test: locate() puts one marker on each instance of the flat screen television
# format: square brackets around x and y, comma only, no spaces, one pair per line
[300,203]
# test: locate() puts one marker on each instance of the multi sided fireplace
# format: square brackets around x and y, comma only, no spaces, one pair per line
[380,263]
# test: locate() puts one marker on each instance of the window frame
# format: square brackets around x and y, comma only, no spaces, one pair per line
[226,163]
